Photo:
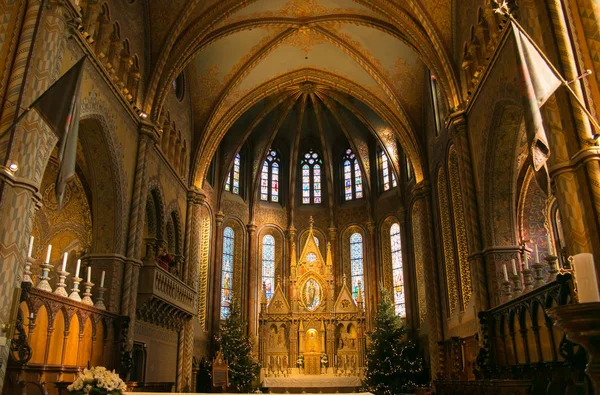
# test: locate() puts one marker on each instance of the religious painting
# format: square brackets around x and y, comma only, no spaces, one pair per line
[311,294]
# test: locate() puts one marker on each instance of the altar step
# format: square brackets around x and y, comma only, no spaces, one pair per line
[316,384]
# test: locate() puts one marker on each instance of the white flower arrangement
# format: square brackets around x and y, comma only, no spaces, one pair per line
[97,380]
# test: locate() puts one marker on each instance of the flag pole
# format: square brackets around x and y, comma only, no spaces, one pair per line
[564,82]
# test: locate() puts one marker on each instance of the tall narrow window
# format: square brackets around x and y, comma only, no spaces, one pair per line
[397,273]
[388,178]
[409,170]
[436,104]
[268,265]
[311,178]
[352,177]
[232,184]
[269,179]
[356,264]
[227,271]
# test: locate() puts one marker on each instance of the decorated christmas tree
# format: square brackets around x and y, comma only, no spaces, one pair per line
[237,350]
[393,363]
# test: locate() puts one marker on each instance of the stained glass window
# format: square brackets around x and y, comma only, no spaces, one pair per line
[227,271]
[388,177]
[409,170]
[436,104]
[232,184]
[356,264]
[268,265]
[397,272]
[269,178]
[311,178]
[352,177]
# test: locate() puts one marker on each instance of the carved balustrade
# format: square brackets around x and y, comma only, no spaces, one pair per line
[56,337]
[522,352]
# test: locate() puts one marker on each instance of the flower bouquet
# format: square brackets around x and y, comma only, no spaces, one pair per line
[99,381]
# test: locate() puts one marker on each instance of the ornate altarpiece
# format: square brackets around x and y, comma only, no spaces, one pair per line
[312,321]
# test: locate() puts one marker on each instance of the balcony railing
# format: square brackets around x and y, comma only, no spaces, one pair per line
[157,283]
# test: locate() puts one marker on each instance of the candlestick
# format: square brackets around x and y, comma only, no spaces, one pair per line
[48,253]
[30,250]
[517,285]
[514,266]
[89,274]
[75,290]
[538,270]
[552,261]
[44,285]
[528,279]
[78,267]
[536,259]
[102,279]
[27,270]
[585,278]
[87,299]
[505,272]
[507,289]
[526,260]
[60,286]
[64,265]
[100,298]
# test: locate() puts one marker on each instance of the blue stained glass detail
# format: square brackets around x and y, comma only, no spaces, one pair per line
[356,264]
[227,271]
[268,264]
[311,178]
[397,272]
[352,177]
[232,183]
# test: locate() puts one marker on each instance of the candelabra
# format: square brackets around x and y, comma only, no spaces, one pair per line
[517,286]
[506,285]
[60,286]
[100,299]
[27,272]
[75,290]
[87,299]
[44,285]
[538,269]
[528,279]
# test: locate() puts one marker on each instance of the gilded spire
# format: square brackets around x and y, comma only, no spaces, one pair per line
[359,297]
[311,221]
[328,260]
[293,255]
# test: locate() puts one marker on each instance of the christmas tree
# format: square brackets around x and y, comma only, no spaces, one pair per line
[393,363]
[237,350]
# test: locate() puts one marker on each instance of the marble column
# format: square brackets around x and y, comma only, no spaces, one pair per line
[371,285]
[216,275]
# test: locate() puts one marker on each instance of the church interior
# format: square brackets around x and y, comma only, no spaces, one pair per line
[307,160]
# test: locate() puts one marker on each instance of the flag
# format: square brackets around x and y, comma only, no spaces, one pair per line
[538,83]
[59,108]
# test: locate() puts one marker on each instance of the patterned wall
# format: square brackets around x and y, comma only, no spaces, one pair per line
[448,244]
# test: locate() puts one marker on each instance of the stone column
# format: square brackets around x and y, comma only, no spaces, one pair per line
[148,136]
[252,291]
[422,239]
[215,304]
[371,283]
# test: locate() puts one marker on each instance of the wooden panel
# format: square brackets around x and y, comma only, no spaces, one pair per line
[72,344]
[312,364]
[85,352]
[57,340]
[98,346]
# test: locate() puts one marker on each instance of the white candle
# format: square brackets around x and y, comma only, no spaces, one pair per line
[30,247]
[102,279]
[48,253]
[585,276]
[89,276]
[550,252]
[526,257]
[64,266]
[536,258]
[505,272]
[78,267]
[514,266]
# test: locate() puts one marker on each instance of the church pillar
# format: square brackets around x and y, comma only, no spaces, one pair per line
[215,307]
[459,131]
[149,134]
[25,145]
[424,256]
[371,284]
[252,291]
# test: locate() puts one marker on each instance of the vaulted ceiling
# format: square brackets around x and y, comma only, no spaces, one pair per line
[237,52]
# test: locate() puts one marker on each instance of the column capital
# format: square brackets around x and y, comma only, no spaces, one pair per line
[371,226]
[196,196]
[251,228]
[422,189]
[149,131]
[219,217]
[456,122]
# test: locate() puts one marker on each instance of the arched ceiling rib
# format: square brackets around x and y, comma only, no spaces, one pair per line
[204,23]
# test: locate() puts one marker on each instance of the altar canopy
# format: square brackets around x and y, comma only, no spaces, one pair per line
[312,325]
